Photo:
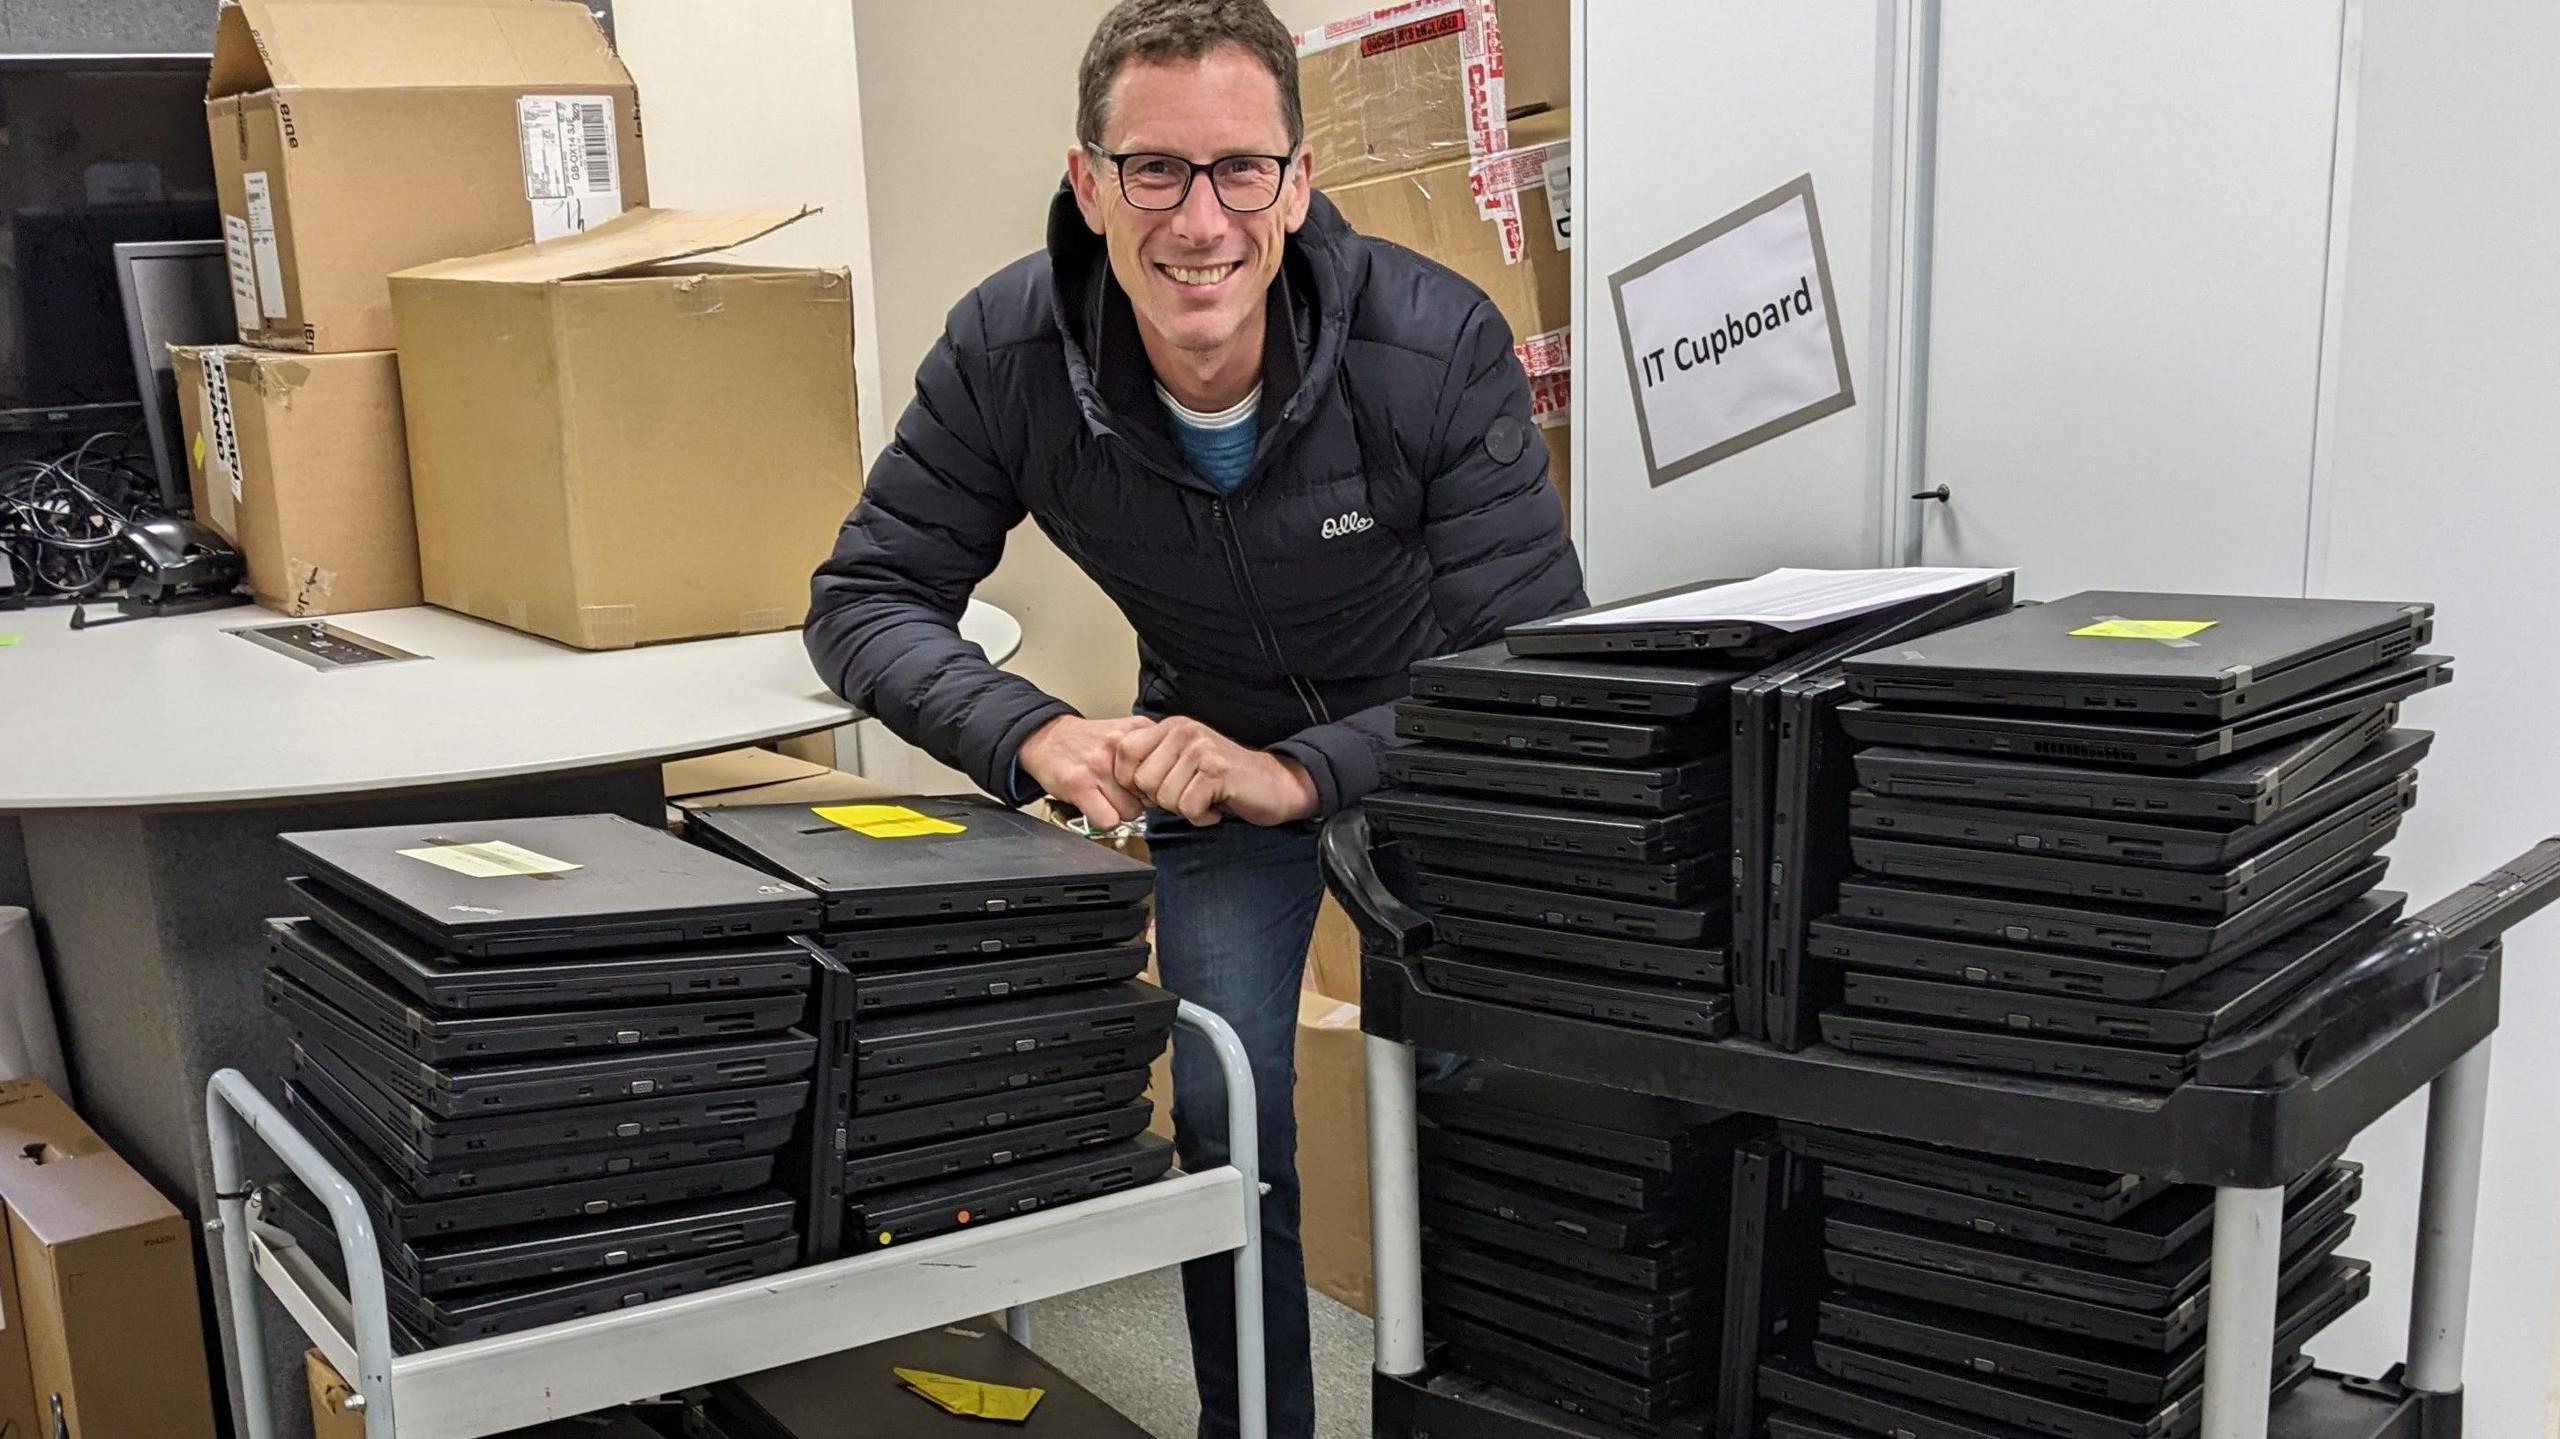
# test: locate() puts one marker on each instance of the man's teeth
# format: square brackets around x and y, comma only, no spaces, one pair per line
[1209,276]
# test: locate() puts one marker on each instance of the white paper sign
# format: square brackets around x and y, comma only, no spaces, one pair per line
[262,245]
[572,162]
[1731,335]
[244,273]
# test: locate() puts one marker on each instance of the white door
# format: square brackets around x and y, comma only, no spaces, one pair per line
[2132,222]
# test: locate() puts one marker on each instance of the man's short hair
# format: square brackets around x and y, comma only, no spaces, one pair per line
[1162,30]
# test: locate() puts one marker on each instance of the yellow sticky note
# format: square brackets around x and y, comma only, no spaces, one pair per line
[886,821]
[199,452]
[971,1397]
[489,859]
[2143,629]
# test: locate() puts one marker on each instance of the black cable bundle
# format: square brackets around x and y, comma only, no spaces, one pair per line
[62,520]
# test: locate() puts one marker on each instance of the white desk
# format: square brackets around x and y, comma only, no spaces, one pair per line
[178,711]
[150,765]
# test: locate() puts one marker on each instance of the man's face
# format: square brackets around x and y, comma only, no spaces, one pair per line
[1198,274]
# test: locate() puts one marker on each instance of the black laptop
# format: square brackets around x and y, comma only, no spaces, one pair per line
[2117,652]
[2134,839]
[2165,744]
[1546,829]
[2364,825]
[1592,1179]
[1632,789]
[1679,621]
[530,984]
[857,1394]
[1759,728]
[1702,880]
[532,1253]
[2164,934]
[1005,976]
[927,1124]
[901,1089]
[2225,1002]
[2155,1333]
[1654,1268]
[357,992]
[1559,735]
[1507,1350]
[923,1039]
[2003,964]
[2249,790]
[1034,933]
[1492,676]
[1561,909]
[1696,1013]
[488,889]
[957,856]
[1616,1306]
[1798,1381]
[811,1166]
[968,1154]
[1653,1357]
[2103,1194]
[1808,855]
[1613,1126]
[920,1211]
[1772,1279]
[401,1216]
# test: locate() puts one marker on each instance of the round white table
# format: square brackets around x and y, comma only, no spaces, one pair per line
[181,711]
[149,765]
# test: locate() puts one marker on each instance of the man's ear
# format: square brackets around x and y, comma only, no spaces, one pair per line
[1085,174]
[1301,187]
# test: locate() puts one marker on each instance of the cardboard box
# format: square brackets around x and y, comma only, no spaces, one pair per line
[354,138]
[330,1416]
[1433,212]
[19,1411]
[1333,1115]
[302,461]
[1414,84]
[613,442]
[106,1272]
[758,776]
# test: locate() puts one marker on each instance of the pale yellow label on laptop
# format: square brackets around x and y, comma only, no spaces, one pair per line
[489,859]
[2143,629]
[886,821]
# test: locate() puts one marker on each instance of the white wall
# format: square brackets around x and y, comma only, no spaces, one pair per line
[2446,486]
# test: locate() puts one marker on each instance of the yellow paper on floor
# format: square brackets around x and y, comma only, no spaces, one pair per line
[972,1398]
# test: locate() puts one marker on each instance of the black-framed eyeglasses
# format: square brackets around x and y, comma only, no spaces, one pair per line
[1246,184]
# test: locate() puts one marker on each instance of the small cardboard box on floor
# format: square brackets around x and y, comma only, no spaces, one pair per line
[1333,1115]
[353,138]
[302,461]
[613,442]
[1525,265]
[1419,83]
[106,1282]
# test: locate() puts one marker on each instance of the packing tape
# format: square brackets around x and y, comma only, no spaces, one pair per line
[1551,400]
[1549,352]
[1413,18]
[611,627]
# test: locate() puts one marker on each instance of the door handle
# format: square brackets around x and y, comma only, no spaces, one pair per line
[1941,494]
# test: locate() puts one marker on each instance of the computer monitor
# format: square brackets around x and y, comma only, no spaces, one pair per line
[100,150]
[175,292]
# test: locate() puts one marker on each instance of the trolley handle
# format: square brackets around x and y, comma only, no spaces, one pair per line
[2423,958]
[1386,924]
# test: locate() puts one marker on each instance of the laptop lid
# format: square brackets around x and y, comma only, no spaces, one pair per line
[926,855]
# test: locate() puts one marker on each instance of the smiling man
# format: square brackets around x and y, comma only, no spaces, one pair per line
[1297,459]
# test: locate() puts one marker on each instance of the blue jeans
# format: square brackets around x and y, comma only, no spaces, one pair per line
[1235,909]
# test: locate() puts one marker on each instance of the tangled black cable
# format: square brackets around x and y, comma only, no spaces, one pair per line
[62,520]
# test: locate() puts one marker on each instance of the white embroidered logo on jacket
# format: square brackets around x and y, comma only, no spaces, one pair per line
[1350,524]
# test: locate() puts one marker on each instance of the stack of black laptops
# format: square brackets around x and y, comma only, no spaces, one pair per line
[1974,1295]
[2090,840]
[981,965]
[1573,1243]
[1568,821]
[557,1058]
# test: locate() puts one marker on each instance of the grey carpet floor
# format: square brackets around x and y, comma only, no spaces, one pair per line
[1125,1342]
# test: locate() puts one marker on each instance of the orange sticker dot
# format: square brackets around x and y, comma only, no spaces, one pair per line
[964,1216]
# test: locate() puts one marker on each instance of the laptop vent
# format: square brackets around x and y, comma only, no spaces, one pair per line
[2398,645]
[2076,749]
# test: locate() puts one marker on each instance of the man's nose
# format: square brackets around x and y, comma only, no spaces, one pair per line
[1201,217]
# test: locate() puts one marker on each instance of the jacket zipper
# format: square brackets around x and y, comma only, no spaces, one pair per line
[1232,543]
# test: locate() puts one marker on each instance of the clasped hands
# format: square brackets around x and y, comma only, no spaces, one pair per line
[1115,770]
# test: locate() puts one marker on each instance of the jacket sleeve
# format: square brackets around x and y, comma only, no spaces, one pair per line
[884,613]
[1495,531]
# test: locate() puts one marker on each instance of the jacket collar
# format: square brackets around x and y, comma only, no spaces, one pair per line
[1107,364]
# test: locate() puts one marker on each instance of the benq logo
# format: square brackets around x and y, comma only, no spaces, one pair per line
[1350,524]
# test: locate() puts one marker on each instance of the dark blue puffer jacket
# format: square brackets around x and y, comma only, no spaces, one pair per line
[1397,507]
